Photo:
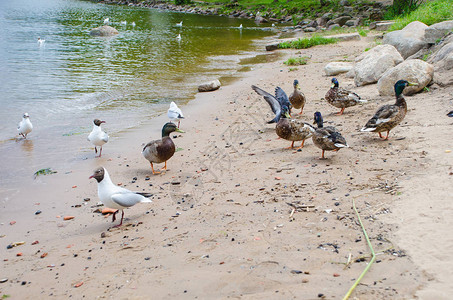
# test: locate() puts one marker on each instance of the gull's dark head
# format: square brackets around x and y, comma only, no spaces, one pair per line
[98,174]
[98,122]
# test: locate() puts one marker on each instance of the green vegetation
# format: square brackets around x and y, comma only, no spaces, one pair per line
[292,69]
[44,172]
[307,42]
[429,13]
[297,61]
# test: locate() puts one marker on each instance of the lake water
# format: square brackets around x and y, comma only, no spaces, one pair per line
[73,77]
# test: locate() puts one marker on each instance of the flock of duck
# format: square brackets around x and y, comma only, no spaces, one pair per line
[326,138]
[329,138]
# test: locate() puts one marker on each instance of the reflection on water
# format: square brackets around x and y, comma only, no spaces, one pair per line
[74,78]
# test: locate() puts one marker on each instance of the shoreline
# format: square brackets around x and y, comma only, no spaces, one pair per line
[219,225]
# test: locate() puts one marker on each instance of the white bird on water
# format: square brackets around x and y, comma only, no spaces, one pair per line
[41,42]
[133,24]
[25,126]
[116,197]
[98,137]
[179,24]
[106,21]
[174,113]
[240,26]
[178,37]
[123,22]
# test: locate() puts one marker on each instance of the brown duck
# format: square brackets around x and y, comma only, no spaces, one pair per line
[342,98]
[327,138]
[292,129]
[297,98]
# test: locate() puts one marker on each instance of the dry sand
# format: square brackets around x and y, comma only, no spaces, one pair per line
[220,225]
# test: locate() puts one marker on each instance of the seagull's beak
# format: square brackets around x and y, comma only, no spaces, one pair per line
[179,130]
[102,121]
[92,176]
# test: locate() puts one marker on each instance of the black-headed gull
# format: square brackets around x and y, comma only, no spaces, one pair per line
[41,42]
[133,24]
[25,126]
[116,197]
[106,21]
[159,151]
[178,37]
[174,113]
[179,24]
[98,137]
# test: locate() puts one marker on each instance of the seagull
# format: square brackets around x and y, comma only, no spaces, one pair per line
[240,26]
[98,137]
[133,24]
[123,22]
[116,197]
[25,126]
[106,21]
[273,25]
[179,24]
[41,42]
[174,113]
[178,37]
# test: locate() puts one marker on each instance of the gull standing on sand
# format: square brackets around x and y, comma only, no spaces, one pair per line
[41,42]
[174,113]
[179,24]
[25,126]
[98,137]
[113,196]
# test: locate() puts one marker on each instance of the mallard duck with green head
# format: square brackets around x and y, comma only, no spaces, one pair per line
[297,98]
[292,129]
[159,151]
[342,98]
[390,115]
[327,138]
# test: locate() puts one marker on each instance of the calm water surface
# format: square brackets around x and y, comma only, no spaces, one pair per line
[74,78]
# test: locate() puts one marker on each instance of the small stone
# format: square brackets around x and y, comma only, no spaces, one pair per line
[86,199]
[38,212]
[23,283]
[3,280]
[296,272]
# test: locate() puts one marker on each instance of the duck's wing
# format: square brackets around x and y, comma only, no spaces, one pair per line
[383,115]
[334,136]
[272,101]
[282,98]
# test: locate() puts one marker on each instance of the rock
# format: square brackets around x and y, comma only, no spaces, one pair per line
[408,40]
[209,86]
[335,68]
[341,20]
[345,37]
[333,26]
[372,64]
[310,29]
[443,59]
[381,25]
[413,70]
[422,53]
[350,73]
[259,19]
[105,30]
[437,31]
[272,47]
[350,23]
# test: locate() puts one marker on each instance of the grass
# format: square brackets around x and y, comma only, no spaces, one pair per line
[307,42]
[430,12]
[297,61]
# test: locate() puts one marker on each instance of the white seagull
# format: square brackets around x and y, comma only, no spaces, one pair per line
[98,137]
[123,22]
[133,24]
[178,37]
[174,113]
[179,24]
[240,26]
[41,42]
[25,126]
[106,21]
[116,197]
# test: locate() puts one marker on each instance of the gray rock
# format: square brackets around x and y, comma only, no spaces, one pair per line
[437,31]
[341,20]
[372,64]
[381,25]
[335,68]
[105,30]
[209,86]
[333,26]
[345,37]
[351,23]
[408,40]
[413,70]
[310,29]
[443,58]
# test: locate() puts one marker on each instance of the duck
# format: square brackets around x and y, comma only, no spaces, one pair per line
[25,126]
[297,98]
[116,197]
[342,98]
[275,105]
[450,114]
[97,136]
[293,129]
[174,113]
[179,24]
[327,138]
[388,116]
[159,151]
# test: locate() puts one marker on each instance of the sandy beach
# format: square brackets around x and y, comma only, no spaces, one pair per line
[222,224]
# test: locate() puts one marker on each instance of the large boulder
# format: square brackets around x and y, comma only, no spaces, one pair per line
[209,86]
[408,40]
[412,70]
[437,31]
[335,68]
[105,30]
[372,64]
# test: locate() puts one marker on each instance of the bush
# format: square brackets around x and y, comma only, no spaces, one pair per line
[307,42]
[296,61]
[182,2]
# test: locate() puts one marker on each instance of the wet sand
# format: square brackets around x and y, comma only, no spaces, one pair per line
[220,225]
